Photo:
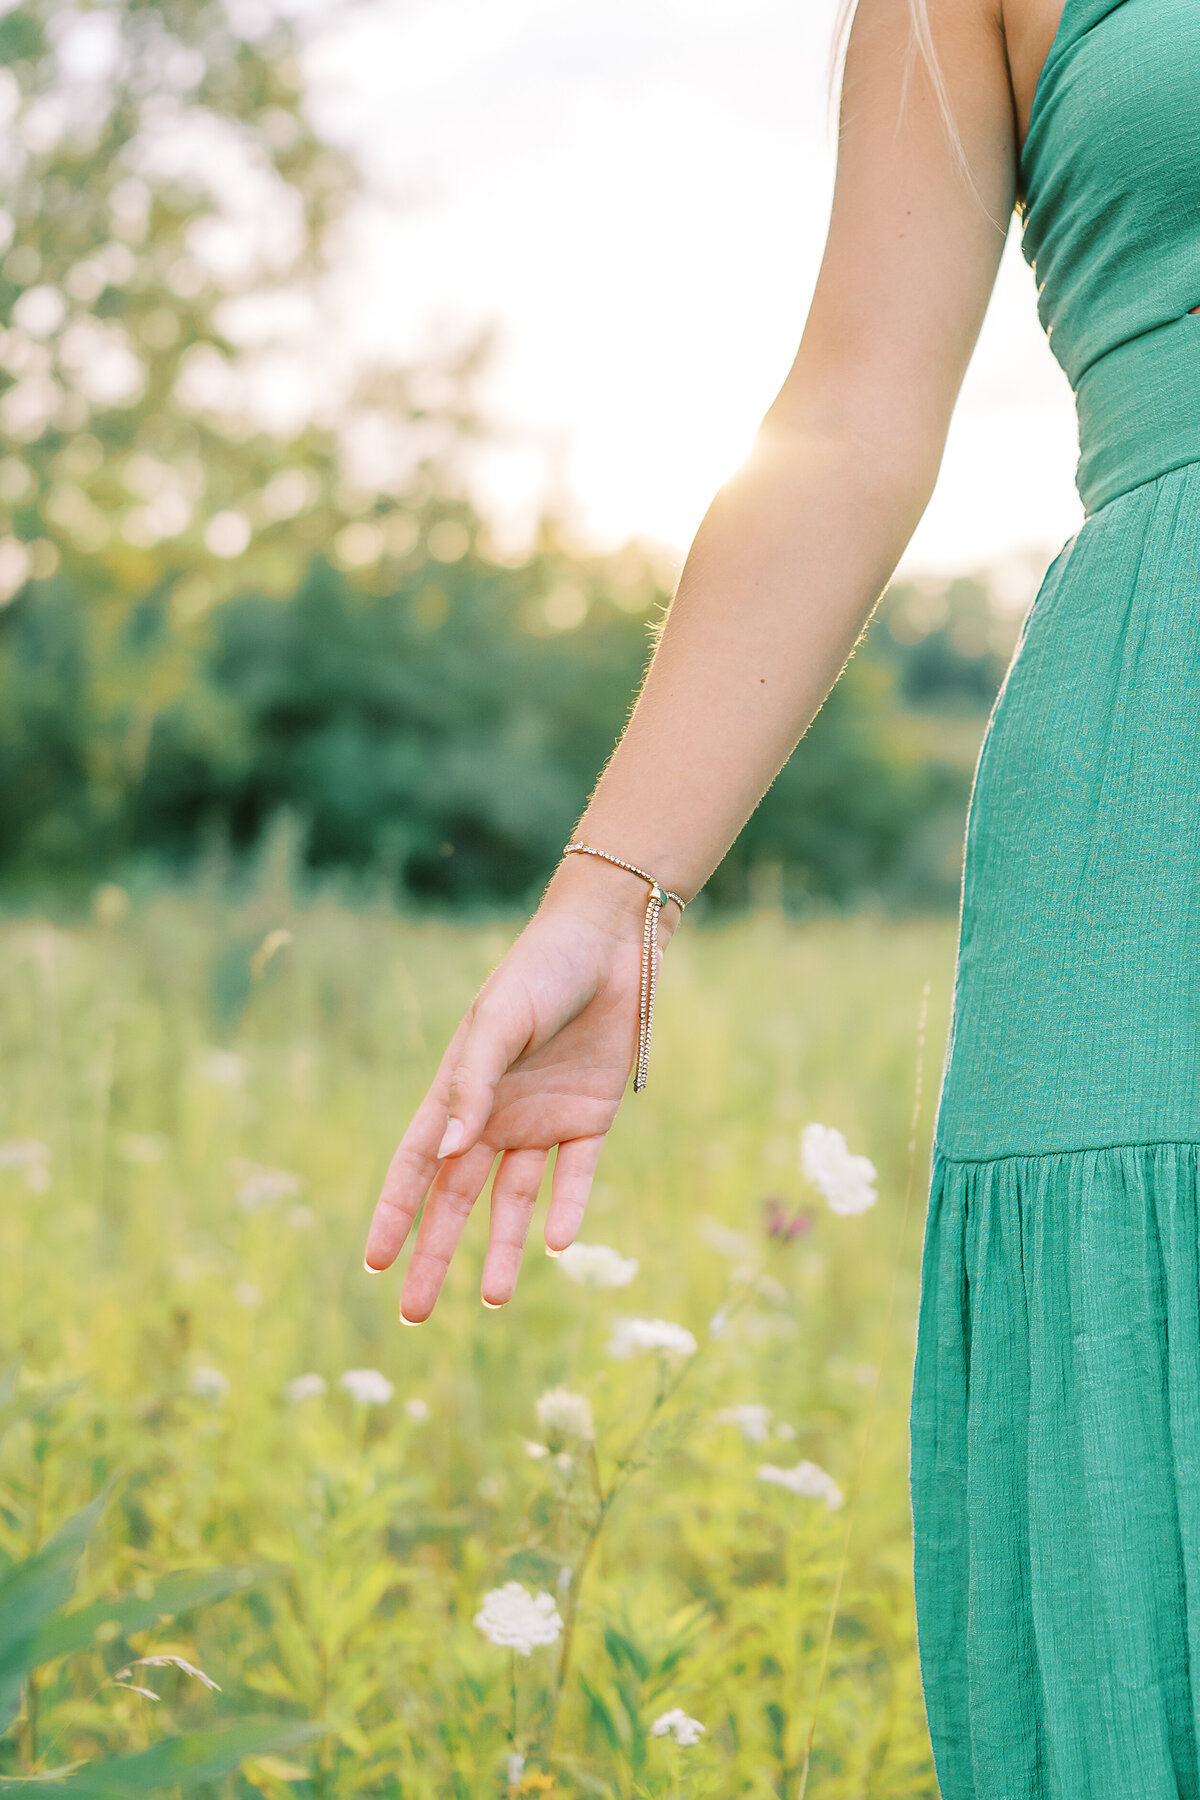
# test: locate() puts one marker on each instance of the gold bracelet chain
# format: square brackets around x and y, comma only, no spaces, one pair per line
[657,899]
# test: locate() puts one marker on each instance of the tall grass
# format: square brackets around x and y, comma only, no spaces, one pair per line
[197,1100]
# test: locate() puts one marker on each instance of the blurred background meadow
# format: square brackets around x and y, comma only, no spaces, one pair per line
[363,372]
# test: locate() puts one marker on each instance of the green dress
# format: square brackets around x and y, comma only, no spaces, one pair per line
[1055,1411]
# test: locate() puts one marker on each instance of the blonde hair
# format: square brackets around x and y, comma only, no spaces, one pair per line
[919,42]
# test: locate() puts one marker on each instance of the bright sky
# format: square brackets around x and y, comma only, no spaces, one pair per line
[636,193]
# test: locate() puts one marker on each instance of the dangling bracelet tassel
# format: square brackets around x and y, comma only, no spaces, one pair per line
[657,899]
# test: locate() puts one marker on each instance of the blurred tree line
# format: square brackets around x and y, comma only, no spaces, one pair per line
[210,618]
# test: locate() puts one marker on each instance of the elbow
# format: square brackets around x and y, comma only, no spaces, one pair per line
[890,455]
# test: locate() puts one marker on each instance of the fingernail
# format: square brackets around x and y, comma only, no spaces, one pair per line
[452,1137]
[405,1321]
[370,1270]
[492,1305]
[550,1252]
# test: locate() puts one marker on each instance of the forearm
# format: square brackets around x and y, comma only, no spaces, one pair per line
[784,571]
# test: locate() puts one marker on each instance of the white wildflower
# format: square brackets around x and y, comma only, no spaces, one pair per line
[720,1237]
[367,1386]
[676,1722]
[516,1767]
[515,1619]
[143,1147]
[534,1450]
[258,1185]
[417,1409]
[189,1268]
[223,1068]
[18,1153]
[785,1431]
[598,1266]
[807,1479]
[247,1295]
[305,1387]
[30,1158]
[301,1217]
[209,1384]
[631,1335]
[845,1180]
[751,1419]
[718,1322]
[563,1414]
[564,1462]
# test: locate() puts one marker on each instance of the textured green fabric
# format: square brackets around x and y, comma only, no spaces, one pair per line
[1110,211]
[1055,1416]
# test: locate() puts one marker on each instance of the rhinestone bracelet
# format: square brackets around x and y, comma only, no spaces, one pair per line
[657,899]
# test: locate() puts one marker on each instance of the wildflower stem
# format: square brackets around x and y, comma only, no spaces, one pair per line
[32,1696]
[872,1404]
[594,1466]
[627,1467]
[512,1732]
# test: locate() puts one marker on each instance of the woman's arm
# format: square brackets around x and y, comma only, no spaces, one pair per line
[787,565]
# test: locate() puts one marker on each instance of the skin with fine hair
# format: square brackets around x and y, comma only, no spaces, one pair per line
[784,572]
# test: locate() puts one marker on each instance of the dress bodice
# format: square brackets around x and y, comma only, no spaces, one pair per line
[1110,211]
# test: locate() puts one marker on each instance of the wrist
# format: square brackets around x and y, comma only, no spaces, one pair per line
[615,898]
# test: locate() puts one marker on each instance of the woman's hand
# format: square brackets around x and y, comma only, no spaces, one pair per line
[541,1059]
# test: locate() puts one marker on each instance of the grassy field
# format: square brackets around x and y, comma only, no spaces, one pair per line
[197,1103]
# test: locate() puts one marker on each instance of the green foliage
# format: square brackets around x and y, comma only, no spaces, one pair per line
[38,1628]
[429,730]
[181,1762]
[185,1177]
[161,167]
[211,622]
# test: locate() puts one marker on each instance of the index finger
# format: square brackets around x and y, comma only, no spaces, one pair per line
[412,1168]
[410,1172]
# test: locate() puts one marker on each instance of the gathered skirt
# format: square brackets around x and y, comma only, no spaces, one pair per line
[1055,1412]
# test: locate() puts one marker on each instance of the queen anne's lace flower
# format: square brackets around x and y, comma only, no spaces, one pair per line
[367,1386]
[305,1387]
[684,1730]
[209,1384]
[416,1408]
[140,1147]
[597,1266]
[32,1158]
[515,1619]
[259,1185]
[631,1335]
[563,1414]
[845,1180]
[751,1419]
[807,1479]
[723,1238]
[223,1068]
